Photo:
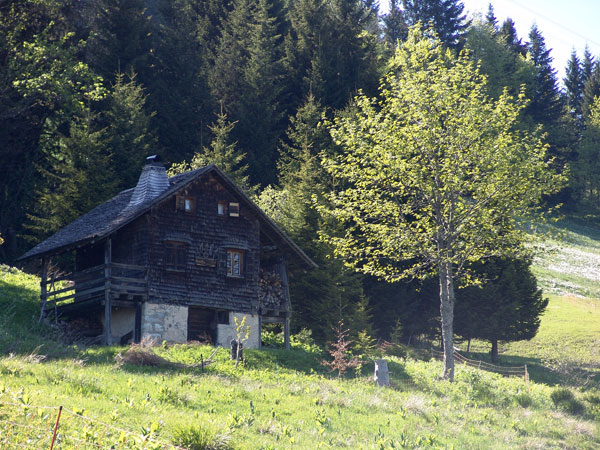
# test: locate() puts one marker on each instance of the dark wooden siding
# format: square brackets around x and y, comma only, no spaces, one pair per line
[204,282]
[130,245]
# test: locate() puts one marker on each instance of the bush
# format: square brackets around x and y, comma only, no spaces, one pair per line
[195,437]
[564,399]
[523,399]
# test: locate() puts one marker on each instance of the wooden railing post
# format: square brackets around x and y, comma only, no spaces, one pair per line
[43,288]
[107,305]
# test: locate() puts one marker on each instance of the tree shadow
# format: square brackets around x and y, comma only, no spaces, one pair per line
[540,373]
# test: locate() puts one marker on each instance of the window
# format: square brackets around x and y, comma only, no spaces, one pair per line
[222,208]
[235,263]
[185,203]
[223,317]
[176,255]
[234,209]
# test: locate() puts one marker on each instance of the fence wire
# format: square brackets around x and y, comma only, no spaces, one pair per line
[508,371]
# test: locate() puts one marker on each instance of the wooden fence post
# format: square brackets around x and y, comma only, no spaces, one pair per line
[43,288]
[107,305]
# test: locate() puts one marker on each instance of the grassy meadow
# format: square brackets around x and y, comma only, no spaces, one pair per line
[286,399]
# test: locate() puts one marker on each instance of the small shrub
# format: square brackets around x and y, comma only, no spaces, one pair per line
[196,437]
[564,399]
[523,399]
[340,352]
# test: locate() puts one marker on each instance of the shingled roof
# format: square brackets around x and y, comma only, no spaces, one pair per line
[128,205]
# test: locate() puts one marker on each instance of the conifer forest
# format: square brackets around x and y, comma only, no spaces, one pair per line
[273,92]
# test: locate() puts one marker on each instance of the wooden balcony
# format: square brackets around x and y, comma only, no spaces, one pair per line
[125,281]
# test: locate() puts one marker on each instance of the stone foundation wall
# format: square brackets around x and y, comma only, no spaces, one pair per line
[226,333]
[164,322]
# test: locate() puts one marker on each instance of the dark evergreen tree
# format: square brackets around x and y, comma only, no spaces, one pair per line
[128,134]
[511,38]
[490,18]
[223,153]
[394,26]
[591,90]
[41,81]
[584,174]
[323,296]
[546,105]
[574,84]
[247,78]
[261,122]
[505,308]
[503,67]
[77,175]
[587,64]
[120,39]
[446,16]
[328,52]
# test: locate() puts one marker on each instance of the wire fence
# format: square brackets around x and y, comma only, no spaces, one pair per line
[507,371]
[26,426]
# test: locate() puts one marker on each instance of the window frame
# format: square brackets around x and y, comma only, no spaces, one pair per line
[222,209]
[241,264]
[176,255]
[234,209]
[182,202]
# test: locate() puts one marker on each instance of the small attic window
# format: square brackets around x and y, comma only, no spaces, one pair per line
[234,209]
[222,208]
[185,203]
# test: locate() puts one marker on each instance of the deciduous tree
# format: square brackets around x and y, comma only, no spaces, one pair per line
[433,174]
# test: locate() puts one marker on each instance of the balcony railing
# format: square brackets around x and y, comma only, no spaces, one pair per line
[90,284]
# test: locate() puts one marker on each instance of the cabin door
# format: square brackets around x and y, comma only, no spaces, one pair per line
[202,324]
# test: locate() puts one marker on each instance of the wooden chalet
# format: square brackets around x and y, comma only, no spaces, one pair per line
[175,259]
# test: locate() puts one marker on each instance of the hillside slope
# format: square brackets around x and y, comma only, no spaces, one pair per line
[278,399]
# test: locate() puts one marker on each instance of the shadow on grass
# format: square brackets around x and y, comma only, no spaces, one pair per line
[539,373]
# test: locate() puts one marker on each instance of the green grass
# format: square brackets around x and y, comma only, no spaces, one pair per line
[282,399]
[566,349]
[267,404]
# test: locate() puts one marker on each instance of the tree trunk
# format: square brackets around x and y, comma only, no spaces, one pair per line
[469,345]
[494,351]
[447,313]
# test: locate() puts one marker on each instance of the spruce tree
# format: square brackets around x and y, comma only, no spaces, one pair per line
[176,80]
[503,67]
[223,153]
[120,39]
[574,84]
[330,52]
[547,107]
[507,307]
[323,296]
[446,16]
[490,18]
[584,178]
[77,175]
[394,26]
[128,133]
[587,64]
[591,90]
[511,38]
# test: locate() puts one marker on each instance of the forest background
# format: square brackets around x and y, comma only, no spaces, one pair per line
[89,89]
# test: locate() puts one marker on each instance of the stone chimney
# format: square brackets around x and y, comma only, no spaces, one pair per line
[153,181]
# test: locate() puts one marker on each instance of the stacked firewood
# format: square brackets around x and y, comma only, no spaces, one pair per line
[271,289]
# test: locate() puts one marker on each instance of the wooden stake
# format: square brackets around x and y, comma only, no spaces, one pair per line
[107,305]
[43,288]
[55,428]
